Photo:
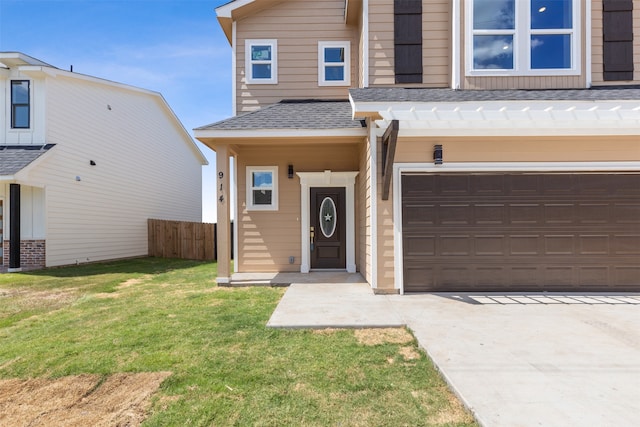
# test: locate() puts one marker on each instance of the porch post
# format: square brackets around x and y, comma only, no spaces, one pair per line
[224,215]
[14,228]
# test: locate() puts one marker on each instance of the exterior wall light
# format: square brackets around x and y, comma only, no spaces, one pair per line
[437,154]
[290,171]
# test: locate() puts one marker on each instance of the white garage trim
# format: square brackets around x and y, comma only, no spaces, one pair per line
[557,167]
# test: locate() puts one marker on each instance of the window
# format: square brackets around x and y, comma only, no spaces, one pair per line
[20,108]
[261,61]
[523,37]
[262,188]
[333,64]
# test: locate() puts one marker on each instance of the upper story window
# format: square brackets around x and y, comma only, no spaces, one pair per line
[333,64]
[262,188]
[523,37]
[20,104]
[261,61]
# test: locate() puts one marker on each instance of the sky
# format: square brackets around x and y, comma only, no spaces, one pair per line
[174,47]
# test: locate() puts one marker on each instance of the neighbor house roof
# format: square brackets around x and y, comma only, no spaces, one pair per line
[14,158]
[31,66]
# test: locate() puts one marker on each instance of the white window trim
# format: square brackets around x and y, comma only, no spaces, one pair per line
[322,45]
[249,62]
[521,43]
[274,189]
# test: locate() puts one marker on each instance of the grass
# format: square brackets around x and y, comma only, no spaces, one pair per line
[152,315]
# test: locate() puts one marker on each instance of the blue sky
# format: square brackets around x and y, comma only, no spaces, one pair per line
[174,47]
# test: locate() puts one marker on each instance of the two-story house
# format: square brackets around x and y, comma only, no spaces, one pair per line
[84,162]
[440,145]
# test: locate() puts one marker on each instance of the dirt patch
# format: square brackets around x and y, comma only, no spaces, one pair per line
[383,336]
[409,353]
[134,281]
[82,400]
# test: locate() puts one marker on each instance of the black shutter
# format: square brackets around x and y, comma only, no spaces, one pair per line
[408,40]
[617,23]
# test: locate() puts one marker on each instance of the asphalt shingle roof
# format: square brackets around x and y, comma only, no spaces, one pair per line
[293,114]
[449,95]
[14,158]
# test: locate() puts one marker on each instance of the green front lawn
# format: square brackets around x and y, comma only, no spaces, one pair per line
[152,315]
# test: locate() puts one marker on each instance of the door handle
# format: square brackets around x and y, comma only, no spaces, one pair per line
[312,235]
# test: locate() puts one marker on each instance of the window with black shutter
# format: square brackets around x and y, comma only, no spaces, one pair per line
[408,40]
[617,23]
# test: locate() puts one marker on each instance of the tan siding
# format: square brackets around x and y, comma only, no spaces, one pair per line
[436,45]
[266,240]
[145,168]
[385,244]
[297,25]
[524,149]
[596,44]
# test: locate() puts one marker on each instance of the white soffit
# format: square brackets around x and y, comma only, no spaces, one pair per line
[512,117]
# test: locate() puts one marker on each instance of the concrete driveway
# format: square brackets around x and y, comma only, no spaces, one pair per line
[514,360]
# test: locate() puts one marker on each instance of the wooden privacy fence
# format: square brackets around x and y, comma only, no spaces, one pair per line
[179,239]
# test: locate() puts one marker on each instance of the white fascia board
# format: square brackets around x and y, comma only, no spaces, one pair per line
[279,133]
[499,105]
[226,10]
[512,129]
[518,167]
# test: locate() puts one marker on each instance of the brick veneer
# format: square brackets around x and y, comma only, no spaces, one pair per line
[32,253]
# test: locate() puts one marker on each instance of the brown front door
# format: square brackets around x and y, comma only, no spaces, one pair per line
[327,228]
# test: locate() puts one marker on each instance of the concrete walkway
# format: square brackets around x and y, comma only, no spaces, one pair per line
[514,360]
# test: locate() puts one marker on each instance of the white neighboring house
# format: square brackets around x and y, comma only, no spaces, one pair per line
[84,162]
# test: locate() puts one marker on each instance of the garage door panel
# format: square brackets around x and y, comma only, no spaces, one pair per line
[458,214]
[593,276]
[420,245]
[524,245]
[594,213]
[521,232]
[594,245]
[558,276]
[525,213]
[459,245]
[627,245]
[491,245]
[420,215]
[524,185]
[490,214]
[627,275]
[559,245]
[627,213]
[559,213]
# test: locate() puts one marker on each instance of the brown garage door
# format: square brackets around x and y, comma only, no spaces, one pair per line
[521,232]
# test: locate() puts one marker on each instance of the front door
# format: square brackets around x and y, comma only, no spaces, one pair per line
[327,227]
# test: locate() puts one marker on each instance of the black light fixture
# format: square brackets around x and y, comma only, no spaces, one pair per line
[437,154]
[92,163]
[290,171]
